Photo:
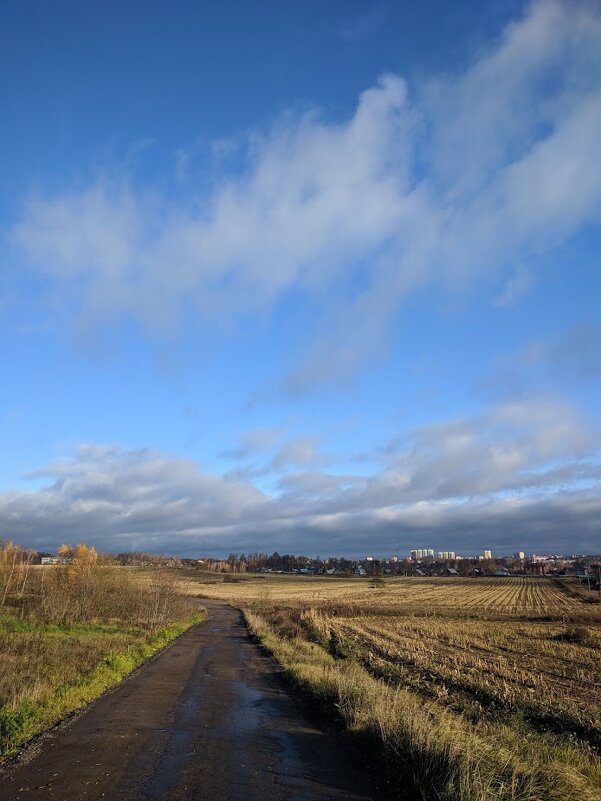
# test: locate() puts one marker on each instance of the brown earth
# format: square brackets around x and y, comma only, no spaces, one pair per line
[209,719]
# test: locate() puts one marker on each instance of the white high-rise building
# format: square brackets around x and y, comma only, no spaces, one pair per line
[487,555]
[519,555]
[421,553]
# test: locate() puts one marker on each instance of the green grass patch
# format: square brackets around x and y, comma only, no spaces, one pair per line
[101,655]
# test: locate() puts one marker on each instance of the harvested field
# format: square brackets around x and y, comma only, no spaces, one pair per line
[512,597]
[490,688]
[495,670]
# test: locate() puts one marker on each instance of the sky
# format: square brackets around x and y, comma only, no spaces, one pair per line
[320,278]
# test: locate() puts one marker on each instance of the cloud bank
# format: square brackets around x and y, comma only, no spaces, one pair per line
[464,177]
[520,475]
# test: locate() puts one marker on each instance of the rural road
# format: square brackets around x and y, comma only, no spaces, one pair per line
[207,720]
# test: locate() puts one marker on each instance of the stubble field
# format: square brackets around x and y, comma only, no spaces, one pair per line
[529,597]
[470,689]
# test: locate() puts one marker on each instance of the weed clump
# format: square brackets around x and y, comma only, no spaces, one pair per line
[577,635]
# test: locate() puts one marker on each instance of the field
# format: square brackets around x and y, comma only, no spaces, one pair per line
[534,598]
[474,689]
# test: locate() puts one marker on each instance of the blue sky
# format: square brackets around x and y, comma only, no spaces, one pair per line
[320,278]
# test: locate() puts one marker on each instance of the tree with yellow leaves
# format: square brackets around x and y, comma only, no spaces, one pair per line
[72,587]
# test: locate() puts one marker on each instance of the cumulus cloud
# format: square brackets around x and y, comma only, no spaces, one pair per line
[277,453]
[514,446]
[439,184]
[125,499]
[520,474]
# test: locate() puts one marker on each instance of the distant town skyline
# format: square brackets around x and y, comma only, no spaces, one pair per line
[307,278]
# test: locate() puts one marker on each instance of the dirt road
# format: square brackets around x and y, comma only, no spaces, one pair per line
[207,720]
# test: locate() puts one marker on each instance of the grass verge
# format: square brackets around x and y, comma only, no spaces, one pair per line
[101,656]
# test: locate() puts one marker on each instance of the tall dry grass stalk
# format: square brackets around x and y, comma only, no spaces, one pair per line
[15,564]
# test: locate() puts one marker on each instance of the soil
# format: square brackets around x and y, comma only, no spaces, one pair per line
[209,719]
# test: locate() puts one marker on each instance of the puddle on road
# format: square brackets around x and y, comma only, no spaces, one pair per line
[178,749]
[257,717]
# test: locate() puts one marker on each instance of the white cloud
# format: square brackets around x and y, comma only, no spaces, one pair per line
[514,446]
[529,465]
[513,96]
[471,173]
[299,451]
[285,222]
[268,451]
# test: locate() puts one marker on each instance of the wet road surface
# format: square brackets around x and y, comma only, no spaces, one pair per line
[209,719]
